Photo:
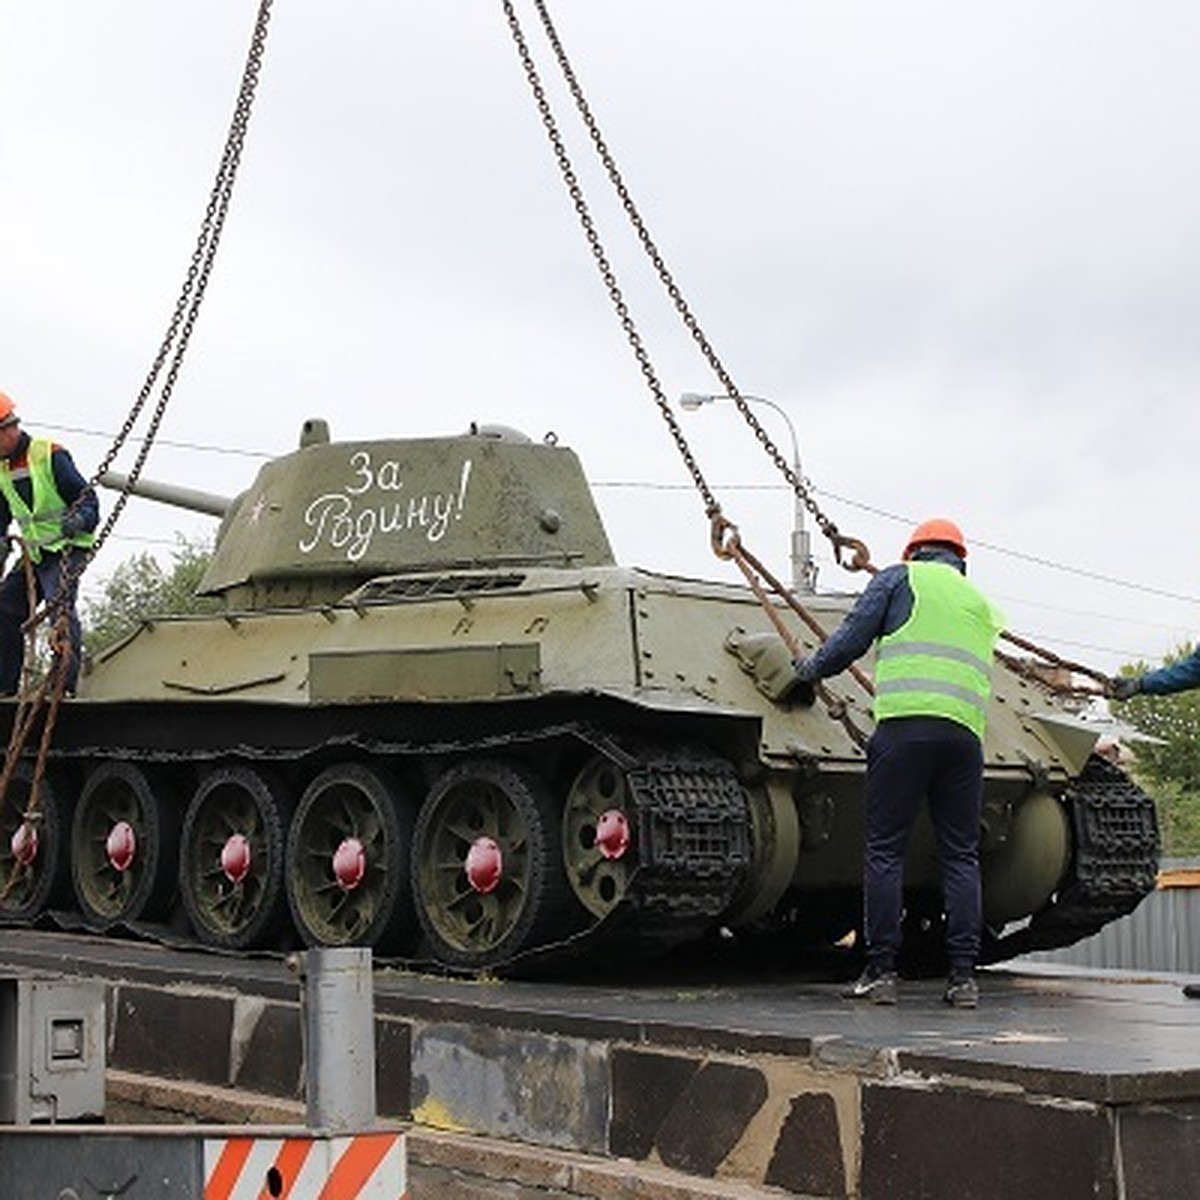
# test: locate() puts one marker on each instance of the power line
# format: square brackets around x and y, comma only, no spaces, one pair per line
[1021,555]
[203,448]
[1082,612]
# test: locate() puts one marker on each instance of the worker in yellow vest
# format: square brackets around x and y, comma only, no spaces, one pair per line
[55,512]
[934,636]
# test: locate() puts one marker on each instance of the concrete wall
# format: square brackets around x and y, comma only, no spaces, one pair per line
[822,1119]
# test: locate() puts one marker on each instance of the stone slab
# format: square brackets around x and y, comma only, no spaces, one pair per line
[773,1080]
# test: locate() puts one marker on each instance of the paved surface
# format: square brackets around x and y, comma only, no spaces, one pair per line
[1118,1038]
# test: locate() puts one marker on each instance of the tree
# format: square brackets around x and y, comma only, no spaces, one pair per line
[140,587]
[1169,766]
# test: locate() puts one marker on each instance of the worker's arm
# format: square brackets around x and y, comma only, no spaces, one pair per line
[80,499]
[1178,677]
[884,606]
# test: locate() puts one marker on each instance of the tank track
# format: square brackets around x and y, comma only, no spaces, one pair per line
[691,822]
[692,834]
[1115,864]
[693,839]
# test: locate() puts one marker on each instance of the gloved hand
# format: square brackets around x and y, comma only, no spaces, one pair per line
[803,689]
[1125,686]
[71,524]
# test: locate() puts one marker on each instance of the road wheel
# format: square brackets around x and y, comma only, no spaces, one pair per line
[123,849]
[33,848]
[231,868]
[347,853]
[597,836]
[487,865]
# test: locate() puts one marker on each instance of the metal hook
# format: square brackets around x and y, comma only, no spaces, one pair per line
[861,560]
[726,541]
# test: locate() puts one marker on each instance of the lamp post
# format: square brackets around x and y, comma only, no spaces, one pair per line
[804,570]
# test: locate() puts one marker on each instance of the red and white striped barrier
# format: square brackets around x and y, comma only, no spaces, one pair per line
[364,1166]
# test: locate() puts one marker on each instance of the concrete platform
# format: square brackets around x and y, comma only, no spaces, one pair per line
[1060,1084]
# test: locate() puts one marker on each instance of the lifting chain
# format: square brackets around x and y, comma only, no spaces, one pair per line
[849,552]
[1027,670]
[187,306]
[37,691]
[47,692]
[859,556]
[711,507]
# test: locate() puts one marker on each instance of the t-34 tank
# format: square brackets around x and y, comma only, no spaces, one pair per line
[435,717]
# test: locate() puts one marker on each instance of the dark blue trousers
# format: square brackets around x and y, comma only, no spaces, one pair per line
[14,611]
[911,760]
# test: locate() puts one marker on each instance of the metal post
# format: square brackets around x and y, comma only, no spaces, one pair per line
[804,570]
[339,1031]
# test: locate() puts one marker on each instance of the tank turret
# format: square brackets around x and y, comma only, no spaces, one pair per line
[326,518]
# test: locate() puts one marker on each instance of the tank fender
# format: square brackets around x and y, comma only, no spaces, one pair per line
[1073,737]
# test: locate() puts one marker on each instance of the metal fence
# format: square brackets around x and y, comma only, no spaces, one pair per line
[1161,934]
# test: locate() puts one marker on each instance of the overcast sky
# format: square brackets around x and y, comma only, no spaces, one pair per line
[955,241]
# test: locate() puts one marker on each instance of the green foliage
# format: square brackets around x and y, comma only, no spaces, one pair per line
[140,587]
[1178,816]
[1169,768]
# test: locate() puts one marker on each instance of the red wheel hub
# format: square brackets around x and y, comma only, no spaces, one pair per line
[612,833]
[349,864]
[484,865]
[24,843]
[121,846]
[235,858]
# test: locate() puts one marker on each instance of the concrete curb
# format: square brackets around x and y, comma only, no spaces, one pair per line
[442,1166]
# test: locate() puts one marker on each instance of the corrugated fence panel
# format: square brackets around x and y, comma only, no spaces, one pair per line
[1161,934]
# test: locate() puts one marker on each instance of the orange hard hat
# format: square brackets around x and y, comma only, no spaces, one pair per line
[8,410]
[937,529]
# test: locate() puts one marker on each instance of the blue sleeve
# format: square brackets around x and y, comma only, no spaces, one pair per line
[1178,677]
[884,605]
[73,487]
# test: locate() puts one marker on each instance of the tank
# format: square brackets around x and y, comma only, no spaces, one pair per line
[435,717]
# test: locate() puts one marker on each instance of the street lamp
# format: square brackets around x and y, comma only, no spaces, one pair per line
[804,570]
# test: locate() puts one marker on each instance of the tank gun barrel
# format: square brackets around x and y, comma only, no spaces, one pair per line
[168,493]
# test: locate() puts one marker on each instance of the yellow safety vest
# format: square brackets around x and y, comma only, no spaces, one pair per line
[939,662]
[40,524]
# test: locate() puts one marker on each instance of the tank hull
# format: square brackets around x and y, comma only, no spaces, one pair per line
[567,700]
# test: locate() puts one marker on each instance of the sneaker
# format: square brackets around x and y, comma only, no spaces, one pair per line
[877,986]
[962,991]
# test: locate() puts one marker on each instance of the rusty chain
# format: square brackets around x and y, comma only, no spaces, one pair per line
[1027,671]
[728,545]
[34,694]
